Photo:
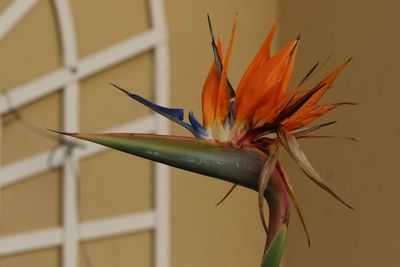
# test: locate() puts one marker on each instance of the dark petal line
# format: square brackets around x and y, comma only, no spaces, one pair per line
[291,109]
[227,194]
[310,129]
[217,58]
[308,75]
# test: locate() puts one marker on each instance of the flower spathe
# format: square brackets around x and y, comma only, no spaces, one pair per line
[244,128]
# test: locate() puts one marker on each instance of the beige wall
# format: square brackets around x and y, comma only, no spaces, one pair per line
[202,234]
[365,173]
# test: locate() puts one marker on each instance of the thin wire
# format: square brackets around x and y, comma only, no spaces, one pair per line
[17,115]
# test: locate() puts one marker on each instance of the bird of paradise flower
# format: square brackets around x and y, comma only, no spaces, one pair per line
[242,132]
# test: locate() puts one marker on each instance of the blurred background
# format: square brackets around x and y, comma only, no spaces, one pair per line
[161,50]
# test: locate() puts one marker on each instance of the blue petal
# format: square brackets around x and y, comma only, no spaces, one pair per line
[197,127]
[171,113]
[174,114]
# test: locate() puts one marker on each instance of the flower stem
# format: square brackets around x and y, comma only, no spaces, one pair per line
[279,213]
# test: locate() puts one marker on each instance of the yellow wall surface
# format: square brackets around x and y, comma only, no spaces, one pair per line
[366,173]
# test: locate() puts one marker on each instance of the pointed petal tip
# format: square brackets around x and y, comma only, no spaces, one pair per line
[210,27]
[349,103]
[309,74]
[327,123]
[120,88]
[226,195]
[61,132]
[351,207]
[348,61]
[334,195]
[295,45]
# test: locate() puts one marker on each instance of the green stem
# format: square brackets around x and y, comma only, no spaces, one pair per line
[279,213]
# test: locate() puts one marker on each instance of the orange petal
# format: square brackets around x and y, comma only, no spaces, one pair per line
[209,96]
[262,56]
[210,92]
[274,99]
[261,83]
[296,122]
[223,100]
